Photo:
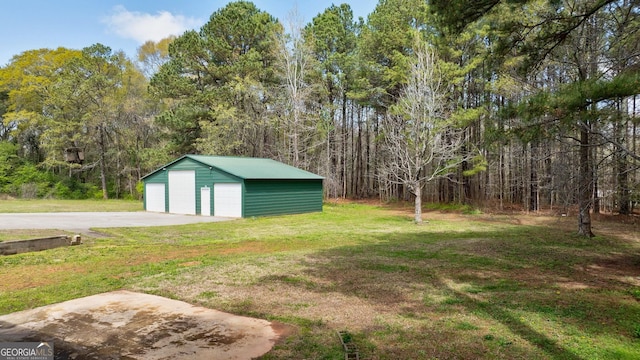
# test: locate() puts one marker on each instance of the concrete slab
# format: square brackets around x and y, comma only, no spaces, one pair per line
[83,221]
[129,325]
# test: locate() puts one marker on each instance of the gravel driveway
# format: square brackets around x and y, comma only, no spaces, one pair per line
[83,221]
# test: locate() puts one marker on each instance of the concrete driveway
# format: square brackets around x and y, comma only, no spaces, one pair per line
[83,221]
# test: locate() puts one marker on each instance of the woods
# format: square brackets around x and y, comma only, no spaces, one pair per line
[538,104]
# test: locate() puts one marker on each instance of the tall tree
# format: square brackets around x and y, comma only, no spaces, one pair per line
[422,142]
[332,37]
[295,64]
[568,36]
[86,105]
[386,43]
[27,81]
[73,103]
[5,130]
[622,24]
[153,54]
[218,82]
[384,47]
[137,144]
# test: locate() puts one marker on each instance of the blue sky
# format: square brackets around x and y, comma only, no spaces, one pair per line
[125,24]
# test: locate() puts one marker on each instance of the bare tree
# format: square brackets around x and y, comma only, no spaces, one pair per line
[421,141]
[295,60]
[152,55]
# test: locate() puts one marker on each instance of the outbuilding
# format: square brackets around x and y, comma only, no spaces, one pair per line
[231,187]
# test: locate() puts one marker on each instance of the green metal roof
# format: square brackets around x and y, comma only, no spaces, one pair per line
[253,168]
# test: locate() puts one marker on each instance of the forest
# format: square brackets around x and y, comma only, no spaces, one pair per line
[508,104]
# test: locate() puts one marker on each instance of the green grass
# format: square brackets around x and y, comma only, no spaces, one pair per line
[39,206]
[471,287]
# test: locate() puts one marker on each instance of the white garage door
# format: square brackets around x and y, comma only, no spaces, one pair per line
[227,200]
[182,192]
[154,197]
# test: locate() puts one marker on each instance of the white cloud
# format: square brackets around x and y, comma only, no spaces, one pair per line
[143,26]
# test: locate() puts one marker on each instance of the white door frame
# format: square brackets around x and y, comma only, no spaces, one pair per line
[205,201]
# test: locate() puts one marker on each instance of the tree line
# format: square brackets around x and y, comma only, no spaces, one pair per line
[535,104]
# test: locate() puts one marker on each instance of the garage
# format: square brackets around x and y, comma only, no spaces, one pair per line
[227,199]
[233,187]
[154,197]
[182,192]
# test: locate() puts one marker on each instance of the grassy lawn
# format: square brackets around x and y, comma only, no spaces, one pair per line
[460,286]
[40,206]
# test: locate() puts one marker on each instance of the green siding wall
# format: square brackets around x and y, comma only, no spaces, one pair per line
[276,197]
[160,177]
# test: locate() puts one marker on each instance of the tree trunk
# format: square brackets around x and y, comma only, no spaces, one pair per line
[634,147]
[586,186]
[358,157]
[466,181]
[622,173]
[343,146]
[103,163]
[418,204]
[624,200]
[533,180]
[594,180]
